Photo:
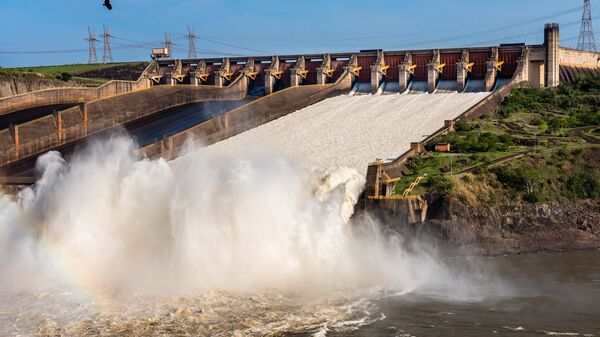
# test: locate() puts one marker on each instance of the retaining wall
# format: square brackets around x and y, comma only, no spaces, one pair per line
[579,58]
[249,116]
[44,133]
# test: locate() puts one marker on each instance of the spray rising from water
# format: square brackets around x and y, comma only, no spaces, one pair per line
[109,220]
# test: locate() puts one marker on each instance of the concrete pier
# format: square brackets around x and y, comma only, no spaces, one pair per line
[404,72]
[324,70]
[177,74]
[462,71]
[377,71]
[433,71]
[200,75]
[271,74]
[491,70]
[223,72]
[297,72]
[551,41]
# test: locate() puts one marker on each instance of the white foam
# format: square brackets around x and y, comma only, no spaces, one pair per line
[352,130]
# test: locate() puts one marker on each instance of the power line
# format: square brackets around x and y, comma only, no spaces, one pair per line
[506,38]
[41,52]
[107,52]
[169,44]
[92,58]
[235,46]
[586,34]
[191,35]
[481,32]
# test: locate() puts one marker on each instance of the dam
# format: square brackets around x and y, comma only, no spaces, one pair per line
[404,97]
[277,194]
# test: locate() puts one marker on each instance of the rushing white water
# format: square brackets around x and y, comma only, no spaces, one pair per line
[251,244]
[208,222]
[353,131]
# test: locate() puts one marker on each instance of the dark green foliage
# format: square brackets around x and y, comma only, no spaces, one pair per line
[578,102]
[463,126]
[65,77]
[475,142]
[524,179]
[439,184]
[583,185]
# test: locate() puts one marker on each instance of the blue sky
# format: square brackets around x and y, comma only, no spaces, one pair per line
[52,31]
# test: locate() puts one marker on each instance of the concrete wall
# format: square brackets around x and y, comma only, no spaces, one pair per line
[249,116]
[68,95]
[44,133]
[573,57]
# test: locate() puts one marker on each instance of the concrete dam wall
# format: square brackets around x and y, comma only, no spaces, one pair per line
[42,134]
[352,130]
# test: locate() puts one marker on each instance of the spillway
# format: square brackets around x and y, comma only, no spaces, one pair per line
[352,130]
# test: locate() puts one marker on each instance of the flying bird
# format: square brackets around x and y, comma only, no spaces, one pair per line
[107,4]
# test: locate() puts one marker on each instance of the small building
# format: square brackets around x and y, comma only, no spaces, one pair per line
[442,147]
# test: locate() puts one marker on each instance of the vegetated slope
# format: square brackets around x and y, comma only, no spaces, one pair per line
[525,179]
[129,72]
[352,130]
[58,70]
[15,81]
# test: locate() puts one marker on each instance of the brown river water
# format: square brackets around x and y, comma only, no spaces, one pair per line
[550,294]
[554,294]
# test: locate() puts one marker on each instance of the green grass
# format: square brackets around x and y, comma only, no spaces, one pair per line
[89,82]
[58,72]
[72,69]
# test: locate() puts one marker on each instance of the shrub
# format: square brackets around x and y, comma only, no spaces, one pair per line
[65,77]
[440,184]
[583,185]
[463,126]
[522,179]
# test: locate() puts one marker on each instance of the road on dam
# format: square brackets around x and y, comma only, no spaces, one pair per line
[144,131]
[22,116]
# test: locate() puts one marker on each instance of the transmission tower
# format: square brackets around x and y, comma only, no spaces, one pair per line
[586,35]
[107,52]
[91,39]
[169,43]
[191,43]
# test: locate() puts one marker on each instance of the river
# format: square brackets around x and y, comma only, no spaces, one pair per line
[553,294]
[111,244]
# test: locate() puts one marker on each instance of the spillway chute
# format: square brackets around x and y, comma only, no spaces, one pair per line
[446,87]
[352,131]
[361,88]
[390,88]
[500,82]
[418,87]
[474,85]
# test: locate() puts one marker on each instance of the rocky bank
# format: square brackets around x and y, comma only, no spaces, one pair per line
[10,86]
[514,228]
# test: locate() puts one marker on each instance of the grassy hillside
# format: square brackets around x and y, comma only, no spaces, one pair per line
[543,145]
[85,74]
